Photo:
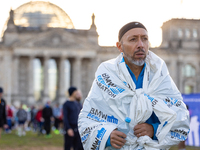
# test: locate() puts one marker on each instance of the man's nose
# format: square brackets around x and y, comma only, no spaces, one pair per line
[140,43]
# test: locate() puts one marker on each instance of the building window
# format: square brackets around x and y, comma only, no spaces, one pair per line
[187,33]
[194,33]
[37,78]
[52,73]
[188,71]
[180,33]
[189,89]
[67,74]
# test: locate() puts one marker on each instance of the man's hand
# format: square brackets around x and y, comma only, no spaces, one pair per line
[143,129]
[5,126]
[70,132]
[41,119]
[52,119]
[117,139]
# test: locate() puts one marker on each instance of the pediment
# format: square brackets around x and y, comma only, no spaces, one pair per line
[60,38]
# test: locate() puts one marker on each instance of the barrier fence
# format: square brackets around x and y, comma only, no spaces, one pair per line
[193,103]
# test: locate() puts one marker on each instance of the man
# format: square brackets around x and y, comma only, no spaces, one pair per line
[79,98]
[71,110]
[3,120]
[47,114]
[137,85]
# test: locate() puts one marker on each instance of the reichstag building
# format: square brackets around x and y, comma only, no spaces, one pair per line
[42,54]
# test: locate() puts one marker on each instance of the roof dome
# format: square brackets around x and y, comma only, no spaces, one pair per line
[39,13]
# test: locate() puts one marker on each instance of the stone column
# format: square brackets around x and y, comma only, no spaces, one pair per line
[7,75]
[180,77]
[31,99]
[196,77]
[45,93]
[61,81]
[15,77]
[96,62]
[76,73]
[173,69]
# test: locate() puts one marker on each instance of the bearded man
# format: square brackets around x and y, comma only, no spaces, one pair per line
[137,85]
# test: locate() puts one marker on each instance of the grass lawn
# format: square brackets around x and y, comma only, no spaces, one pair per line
[30,141]
[34,142]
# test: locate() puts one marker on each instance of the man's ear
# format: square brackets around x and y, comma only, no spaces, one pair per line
[119,46]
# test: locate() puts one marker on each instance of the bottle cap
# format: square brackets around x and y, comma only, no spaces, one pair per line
[128,120]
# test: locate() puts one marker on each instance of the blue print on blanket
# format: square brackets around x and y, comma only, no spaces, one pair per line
[84,138]
[169,101]
[98,139]
[178,136]
[153,100]
[100,116]
[105,80]
[112,119]
[101,133]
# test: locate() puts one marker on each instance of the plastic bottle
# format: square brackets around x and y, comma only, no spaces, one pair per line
[124,126]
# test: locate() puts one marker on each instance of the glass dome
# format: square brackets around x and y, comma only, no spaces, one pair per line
[39,14]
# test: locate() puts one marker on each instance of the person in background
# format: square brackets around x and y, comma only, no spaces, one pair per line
[39,120]
[22,117]
[3,121]
[33,122]
[47,114]
[80,106]
[57,113]
[79,98]
[9,118]
[71,110]
[28,121]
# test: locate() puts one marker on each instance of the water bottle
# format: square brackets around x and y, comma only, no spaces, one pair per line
[123,127]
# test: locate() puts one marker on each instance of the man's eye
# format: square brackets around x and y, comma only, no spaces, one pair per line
[145,38]
[133,39]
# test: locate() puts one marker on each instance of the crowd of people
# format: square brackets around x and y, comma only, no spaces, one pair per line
[42,119]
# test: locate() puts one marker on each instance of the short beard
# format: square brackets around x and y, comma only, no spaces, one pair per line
[139,62]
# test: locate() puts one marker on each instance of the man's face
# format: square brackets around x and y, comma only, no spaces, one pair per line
[134,45]
[75,94]
[78,96]
[1,94]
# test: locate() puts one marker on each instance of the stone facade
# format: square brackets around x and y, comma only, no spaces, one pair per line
[21,45]
[180,49]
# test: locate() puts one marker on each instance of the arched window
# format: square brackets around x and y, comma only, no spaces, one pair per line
[67,74]
[189,89]
[187,33]
[194,33]
[188,71]
[180,33]
[37,78]
[52,79]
